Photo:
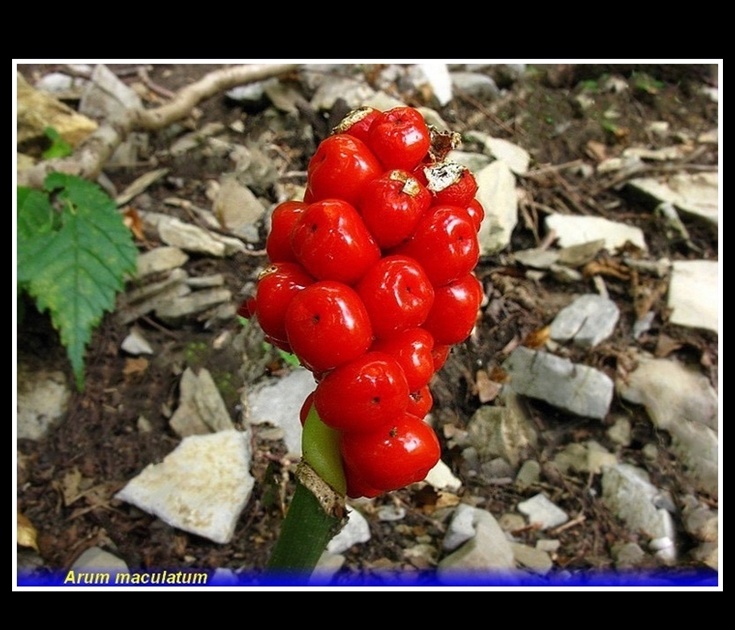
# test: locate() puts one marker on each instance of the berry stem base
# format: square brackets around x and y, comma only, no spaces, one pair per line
[315,515]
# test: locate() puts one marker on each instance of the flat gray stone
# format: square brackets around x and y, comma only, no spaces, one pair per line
[576,388]
[627,491]
[587,321]
[542,512]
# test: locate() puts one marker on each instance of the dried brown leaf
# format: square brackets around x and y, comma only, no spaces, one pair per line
[27,533]
[537,338]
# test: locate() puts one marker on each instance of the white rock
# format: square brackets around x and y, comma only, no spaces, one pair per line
[136,343]
[278,402]
[533,559]
[503,431]
[437,75]
[238,209]
[442,478]
[488,552]
[497,193]
[43,399]
[105,96]
[97,559]
[355,531]
[692,193]
[517,158]
[201,487]
[542,512]
[672,392]
[695,296]
[575,230]
[160,259]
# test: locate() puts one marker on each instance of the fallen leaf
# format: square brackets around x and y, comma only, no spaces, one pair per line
[135,366]
[27,534]
[134,223]
[537,338]
[70,490]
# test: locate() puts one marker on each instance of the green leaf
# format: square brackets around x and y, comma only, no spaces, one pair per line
[76,271]
[35,225]
[59,147]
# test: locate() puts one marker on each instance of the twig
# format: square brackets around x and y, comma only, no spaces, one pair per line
[152,85]
[91,155]
[569,524]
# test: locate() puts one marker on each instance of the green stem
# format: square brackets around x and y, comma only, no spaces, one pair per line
[317,510]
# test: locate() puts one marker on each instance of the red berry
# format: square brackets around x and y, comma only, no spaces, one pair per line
[357,123]
[340,168]
[440,354]
[332,243]
[397,454]
[277,285]
[451,183]
[363,394]
[444,244]
[392,205]
[284,217]
[412,349]
[397,295]
[327,325]
[420,402]
[454,313]
[400,138]
[476,212]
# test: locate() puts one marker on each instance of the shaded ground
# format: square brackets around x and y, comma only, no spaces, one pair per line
[100,438]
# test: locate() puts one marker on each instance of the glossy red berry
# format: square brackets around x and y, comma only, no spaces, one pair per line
[392,205]
[332,243]
[420,402]
[444,244]
[397,295]
[277,285]
[454,312]
[397,454]
[278,243]
[400,138]
[476,212]
[327,325]
[363,394]
[451,184]
[357,123]
[412,348]
[340,168]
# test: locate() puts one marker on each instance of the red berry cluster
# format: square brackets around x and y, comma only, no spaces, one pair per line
[370,283]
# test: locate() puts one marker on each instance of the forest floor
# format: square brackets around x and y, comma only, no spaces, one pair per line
[98,437]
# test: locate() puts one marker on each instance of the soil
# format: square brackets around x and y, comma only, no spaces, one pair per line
[99,439]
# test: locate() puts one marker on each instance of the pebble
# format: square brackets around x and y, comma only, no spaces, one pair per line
[354,532]
[42,401]
[497,190]
[542,512]
[200,487]
[576,230]
[627,491]
[695,297]
[586,322]
[576,388]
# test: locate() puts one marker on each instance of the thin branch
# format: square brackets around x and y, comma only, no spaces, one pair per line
[91,155]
